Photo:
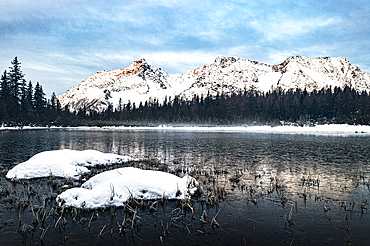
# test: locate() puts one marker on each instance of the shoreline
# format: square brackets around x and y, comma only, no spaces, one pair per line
[325,130]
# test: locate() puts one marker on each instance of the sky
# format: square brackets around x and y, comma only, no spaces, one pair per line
[61,42]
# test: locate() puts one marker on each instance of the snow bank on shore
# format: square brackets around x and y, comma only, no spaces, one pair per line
[114,187]
[63,163]
[319,130]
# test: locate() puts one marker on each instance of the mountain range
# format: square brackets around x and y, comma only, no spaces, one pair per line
[141,82]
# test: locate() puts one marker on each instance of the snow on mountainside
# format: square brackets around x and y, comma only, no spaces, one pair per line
[140,82]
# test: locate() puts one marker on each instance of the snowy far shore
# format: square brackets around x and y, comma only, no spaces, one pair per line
[63,163]
[324,130]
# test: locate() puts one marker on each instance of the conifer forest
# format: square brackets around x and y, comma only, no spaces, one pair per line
[24,104]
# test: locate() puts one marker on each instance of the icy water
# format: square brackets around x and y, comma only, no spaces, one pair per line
[258,189]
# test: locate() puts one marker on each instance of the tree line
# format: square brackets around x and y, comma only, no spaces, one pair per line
[22,104]
[328,105]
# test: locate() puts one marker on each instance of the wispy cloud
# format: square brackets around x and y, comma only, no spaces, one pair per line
[283,27]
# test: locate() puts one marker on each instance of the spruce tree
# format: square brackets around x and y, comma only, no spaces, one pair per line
[53,101]
[4,95]
[29,104]
[23,94]
[39,98]
[5,87]
[16,78]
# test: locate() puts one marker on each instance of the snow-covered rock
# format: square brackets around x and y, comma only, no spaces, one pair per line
[114,187]
[63,163]
[140,82]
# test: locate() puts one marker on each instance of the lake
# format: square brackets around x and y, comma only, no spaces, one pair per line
[258,189]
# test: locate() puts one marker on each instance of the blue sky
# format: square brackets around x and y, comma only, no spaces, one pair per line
[61,42]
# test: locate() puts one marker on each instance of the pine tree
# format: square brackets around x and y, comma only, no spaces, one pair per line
[16,78]
[5,87]
[39,98]
[53,101]
[58,105]
[29,104]
[120,106]
[23,94]
[4,95]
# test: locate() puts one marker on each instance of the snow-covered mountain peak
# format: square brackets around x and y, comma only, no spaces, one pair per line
[313,62]
[222,61]
[140,82]
[323,72]
[200,70]
[136,67]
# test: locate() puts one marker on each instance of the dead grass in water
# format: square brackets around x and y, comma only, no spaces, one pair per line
[31,208]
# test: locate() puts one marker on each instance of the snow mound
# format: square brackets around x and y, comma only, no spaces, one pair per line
[63,163]
[114,187]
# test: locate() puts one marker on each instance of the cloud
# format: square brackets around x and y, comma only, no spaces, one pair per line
[284,27]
